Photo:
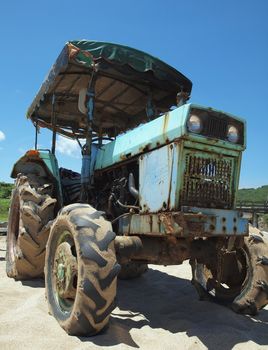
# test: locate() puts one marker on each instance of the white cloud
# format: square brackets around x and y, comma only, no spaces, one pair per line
[68,147]
[2,136]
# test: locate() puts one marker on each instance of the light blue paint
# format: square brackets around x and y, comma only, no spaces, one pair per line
[146,136]
[85,170]
[160,131]
[225,223]
[158,178]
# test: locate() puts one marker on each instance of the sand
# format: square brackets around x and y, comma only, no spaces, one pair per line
[160,310]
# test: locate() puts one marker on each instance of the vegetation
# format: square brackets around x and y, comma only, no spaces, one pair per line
[5,194]
[259,194]
[4,206]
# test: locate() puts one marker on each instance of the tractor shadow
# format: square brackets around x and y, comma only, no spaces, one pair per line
[159,300]
[35,283]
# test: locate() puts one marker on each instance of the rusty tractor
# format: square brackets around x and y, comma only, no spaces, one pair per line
[158,185]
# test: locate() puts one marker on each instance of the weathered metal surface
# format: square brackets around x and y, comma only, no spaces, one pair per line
[65,271]
[127,80]
[208,180]
[39,163]
[187,176]
[158,178]
[221,221]
[213,151]
[51,163]
[191,222]
[144,138]
[165,129]
[220,147]
[165,250]
[41,157]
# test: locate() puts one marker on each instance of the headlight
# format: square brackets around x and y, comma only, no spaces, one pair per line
[232,134]
[194,124]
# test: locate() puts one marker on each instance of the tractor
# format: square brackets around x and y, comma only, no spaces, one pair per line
[158,185]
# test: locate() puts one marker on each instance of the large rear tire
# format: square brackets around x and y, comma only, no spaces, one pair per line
[81,270]
[245,285]
[254,295]
[30,213]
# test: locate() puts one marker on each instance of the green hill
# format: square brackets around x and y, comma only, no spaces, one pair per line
[259,194]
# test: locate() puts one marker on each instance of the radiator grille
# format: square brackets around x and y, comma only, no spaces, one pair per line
[207,182]
[215,128]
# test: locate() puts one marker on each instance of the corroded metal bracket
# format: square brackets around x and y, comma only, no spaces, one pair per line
[189,222]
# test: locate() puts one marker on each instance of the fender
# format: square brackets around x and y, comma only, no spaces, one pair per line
[39,163]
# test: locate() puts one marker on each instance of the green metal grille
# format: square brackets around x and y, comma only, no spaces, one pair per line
[207,181]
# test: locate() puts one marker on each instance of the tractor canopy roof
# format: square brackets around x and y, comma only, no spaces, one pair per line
[126,79]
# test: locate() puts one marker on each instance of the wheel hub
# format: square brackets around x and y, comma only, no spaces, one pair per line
[61,272]
[65,271]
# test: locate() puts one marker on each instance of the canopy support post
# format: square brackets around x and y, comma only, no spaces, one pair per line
[36,135]
[86,149]
[150,108]
[53,122]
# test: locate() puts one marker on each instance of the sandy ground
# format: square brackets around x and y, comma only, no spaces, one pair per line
[160,310]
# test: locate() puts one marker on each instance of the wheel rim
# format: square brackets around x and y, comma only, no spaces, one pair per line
[232,282]
[65,272]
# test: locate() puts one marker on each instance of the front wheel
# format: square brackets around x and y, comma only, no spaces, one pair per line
[244,282]
[81,270]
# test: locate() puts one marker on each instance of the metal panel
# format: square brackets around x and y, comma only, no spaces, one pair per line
[158,132]
[158,179]
[192,222]
[208,180]
[221,221]
[38,158]
[52,164]
[144,138]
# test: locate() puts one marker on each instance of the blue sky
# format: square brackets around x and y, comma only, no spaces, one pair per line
[222,46]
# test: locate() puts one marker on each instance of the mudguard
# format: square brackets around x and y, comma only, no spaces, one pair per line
[40,163]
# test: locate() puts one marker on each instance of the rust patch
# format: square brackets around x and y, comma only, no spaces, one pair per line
[145,148]
[191,224]
[172,226]
[207,181]
[33,153]
[167,222]
[166,121]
